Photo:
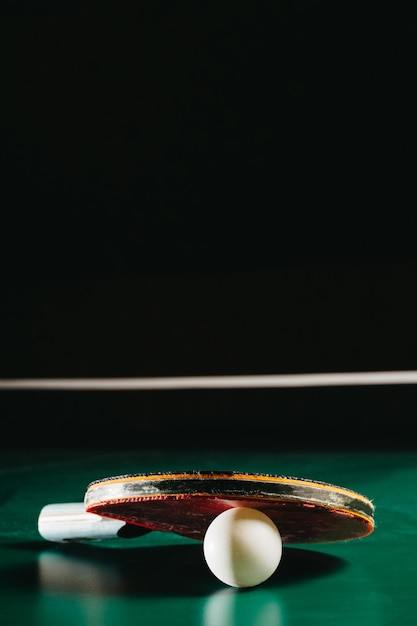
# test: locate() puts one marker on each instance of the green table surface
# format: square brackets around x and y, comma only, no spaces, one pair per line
[161,578]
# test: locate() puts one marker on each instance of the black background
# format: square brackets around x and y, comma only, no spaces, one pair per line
[194,188]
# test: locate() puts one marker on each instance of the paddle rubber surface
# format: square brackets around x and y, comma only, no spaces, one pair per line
[185,503]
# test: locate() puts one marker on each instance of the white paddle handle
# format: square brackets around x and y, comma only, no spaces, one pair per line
[69,521]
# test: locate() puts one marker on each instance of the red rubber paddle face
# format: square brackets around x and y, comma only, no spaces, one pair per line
[185,503]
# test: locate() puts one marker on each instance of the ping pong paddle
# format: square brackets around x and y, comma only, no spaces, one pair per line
[185,503]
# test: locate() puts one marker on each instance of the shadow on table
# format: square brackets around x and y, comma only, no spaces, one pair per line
[146,571]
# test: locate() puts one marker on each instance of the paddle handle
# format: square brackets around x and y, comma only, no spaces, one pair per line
[69,522]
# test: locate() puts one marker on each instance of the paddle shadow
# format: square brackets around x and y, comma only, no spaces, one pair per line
[81,569]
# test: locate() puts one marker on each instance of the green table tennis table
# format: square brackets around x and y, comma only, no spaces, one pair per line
[161,578]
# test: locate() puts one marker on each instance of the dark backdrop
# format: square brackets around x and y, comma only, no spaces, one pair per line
[208,188]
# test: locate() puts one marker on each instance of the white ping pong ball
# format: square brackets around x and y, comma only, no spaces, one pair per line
[242,547]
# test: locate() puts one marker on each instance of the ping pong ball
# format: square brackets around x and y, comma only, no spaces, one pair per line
[242,547]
